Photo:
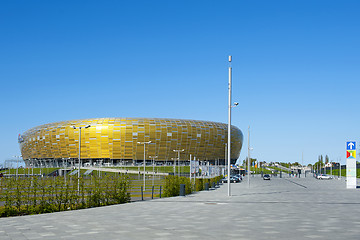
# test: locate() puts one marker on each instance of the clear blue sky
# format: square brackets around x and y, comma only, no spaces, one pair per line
[295,68]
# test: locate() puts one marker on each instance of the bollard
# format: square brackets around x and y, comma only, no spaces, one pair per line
[152,192]
[142,194]
[213,185]
[182,189]
[280,174]
[160,191]
[207,186]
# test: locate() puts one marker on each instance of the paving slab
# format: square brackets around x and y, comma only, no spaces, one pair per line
[282,208]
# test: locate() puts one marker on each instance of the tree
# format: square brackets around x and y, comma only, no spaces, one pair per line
[252,161]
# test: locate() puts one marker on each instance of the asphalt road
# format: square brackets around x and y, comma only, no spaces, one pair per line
[286,208]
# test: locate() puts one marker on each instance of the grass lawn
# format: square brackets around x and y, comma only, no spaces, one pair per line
[161,169]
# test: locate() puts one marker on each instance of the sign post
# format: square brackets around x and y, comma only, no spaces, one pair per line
[351,164]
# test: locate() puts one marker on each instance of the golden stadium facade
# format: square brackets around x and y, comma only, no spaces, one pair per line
[115,140]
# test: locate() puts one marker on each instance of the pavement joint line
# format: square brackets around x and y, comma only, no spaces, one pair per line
[295,183]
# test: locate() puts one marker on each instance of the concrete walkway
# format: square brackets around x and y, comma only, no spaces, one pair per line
[286,208]
[119,170]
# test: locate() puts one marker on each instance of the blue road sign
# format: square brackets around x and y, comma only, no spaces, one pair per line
[350,145]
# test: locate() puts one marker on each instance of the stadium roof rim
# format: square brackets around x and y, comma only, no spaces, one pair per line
[135,118]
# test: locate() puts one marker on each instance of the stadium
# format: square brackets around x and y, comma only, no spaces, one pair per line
[115,141]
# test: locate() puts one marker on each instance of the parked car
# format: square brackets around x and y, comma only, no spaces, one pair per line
[266,177]
[232,179]
[239,176]
[323,177]
[236,178]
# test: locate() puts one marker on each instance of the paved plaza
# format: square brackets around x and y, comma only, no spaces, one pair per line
[282,208]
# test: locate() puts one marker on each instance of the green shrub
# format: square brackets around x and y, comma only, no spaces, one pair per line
[172,184]
[34,195]
[199,185]
[120,193]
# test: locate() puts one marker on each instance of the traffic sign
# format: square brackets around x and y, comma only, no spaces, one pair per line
[351,154]
[350,145]
[351,164]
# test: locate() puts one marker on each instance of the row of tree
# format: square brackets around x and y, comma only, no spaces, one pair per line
[320,163]
[33,195]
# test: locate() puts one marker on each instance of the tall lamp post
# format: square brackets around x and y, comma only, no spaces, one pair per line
[153,158]
[229,126]
[178,151]
[17,164]
[174,163]
[340,168]
[249,158]
[144,158]
[87,126]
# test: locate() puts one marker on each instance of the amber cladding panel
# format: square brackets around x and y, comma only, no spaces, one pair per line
[117,138]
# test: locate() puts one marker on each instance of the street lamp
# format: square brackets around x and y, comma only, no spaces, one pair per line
[17,164]
[340,168]
[153,158]
[249,159]
[32,167]
[87,126]
[178,151]
[144,158]
[229,126]
[174,163]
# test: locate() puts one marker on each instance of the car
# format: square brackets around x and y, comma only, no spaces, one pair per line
[239,176]
[266,177]
[236,178]
[232,179]
[323,177]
